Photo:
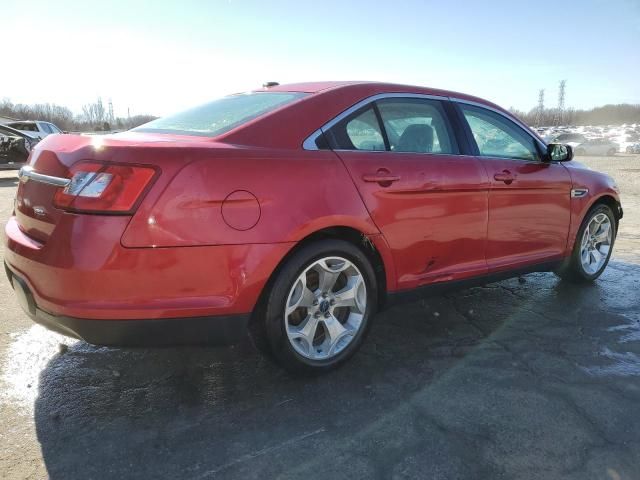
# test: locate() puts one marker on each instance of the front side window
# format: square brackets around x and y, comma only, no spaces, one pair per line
[46,128]
[222,115]
[497,136]
[416,125]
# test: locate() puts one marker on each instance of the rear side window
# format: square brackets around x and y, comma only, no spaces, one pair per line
[497,136]
[416,125]
[413,125]
[27,127]
[359,132]
[220,116]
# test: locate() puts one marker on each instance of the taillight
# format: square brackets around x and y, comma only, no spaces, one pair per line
[104,188]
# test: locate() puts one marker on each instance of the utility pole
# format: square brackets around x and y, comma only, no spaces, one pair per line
[111,111]
[559,117]
[540,109]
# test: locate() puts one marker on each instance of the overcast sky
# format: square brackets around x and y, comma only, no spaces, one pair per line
[157,57]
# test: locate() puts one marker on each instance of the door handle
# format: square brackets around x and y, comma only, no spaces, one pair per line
[383,176]
[505,176]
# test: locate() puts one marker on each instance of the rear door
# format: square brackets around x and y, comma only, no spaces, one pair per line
[529,201]
[429,201]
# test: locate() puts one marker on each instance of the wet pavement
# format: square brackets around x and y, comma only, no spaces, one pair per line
[526,378]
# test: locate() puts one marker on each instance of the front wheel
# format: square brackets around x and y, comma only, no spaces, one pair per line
[320,305]
[593,246]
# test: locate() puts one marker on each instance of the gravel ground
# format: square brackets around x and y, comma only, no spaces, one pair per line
[526,378]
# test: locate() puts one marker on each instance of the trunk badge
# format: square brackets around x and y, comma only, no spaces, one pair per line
[40,211]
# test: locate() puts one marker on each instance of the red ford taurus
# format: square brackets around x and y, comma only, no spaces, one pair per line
[295,212]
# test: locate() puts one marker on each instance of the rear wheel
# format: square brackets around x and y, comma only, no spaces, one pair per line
[320,305]
[593,246]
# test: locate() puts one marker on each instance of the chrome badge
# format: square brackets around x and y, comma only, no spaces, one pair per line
[39,211]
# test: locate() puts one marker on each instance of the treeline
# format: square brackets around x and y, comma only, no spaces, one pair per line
[94,116]
[605,115]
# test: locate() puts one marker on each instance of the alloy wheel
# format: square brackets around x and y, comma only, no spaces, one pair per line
[596,243]
[325,308]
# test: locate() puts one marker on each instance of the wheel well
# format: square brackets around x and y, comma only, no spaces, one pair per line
[348,234]
[612,203]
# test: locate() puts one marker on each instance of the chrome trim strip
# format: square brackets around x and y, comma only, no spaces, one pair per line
[579,192]
[27,173]
[310,141]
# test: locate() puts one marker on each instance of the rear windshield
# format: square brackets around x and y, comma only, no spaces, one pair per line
[220,116]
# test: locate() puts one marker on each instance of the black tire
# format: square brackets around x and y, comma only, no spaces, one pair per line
[572,269]
[270,323]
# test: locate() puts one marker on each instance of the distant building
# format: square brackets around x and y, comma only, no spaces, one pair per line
[7,119]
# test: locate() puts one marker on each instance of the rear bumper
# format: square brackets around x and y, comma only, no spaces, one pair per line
[82,282]
[82,271]
[210,330]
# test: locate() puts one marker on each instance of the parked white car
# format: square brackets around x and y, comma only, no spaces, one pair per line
[35,128]
[597,146]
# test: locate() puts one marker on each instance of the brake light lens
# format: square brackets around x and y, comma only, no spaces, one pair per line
[105,188]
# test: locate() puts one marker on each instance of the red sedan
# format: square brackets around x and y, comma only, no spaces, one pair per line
[295,212]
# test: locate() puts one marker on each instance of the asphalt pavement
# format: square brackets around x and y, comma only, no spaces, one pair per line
[529,378]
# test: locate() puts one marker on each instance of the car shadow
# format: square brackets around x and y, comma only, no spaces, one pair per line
[8,182]
[211,412]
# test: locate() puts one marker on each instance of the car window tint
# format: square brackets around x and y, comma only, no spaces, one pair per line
[359,132]
[496,136]
[46,128]
[416,125]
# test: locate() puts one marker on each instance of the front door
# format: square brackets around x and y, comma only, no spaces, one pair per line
[529,200]
[429,202]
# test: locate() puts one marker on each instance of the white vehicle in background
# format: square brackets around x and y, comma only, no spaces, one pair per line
[597,146]
[35,128]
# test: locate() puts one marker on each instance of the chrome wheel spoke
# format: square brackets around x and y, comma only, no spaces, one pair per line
[300,296]
[305,332]
[603,234]
[351,295]
[329,272]
[335,332]
[604,249]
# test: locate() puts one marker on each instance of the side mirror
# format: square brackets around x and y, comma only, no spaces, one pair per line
[557,152]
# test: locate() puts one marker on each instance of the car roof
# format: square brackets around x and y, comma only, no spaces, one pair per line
[21,121]
[370,86]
